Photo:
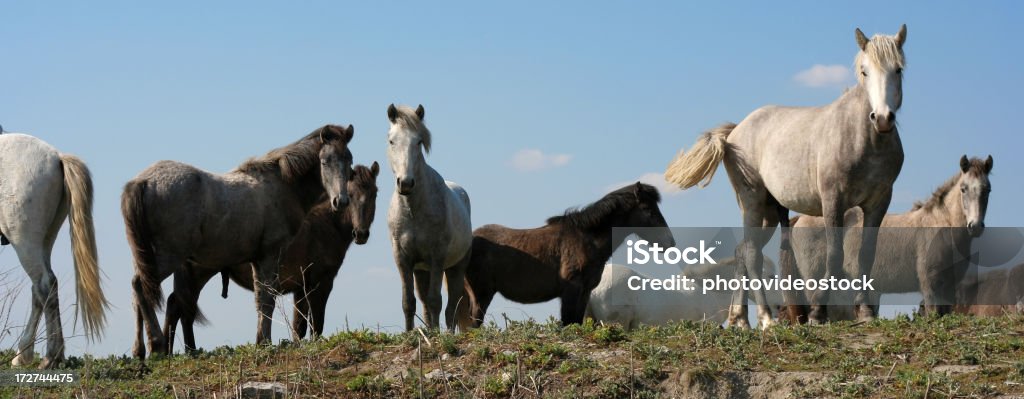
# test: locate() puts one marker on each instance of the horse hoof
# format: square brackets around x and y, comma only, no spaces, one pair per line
[48,363]
[815,322]
[766,324]
[22,359]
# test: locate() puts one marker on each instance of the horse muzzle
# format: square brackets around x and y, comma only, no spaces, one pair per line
[883,123]
[339,202]
[360,236]
[975,229]
[405,185]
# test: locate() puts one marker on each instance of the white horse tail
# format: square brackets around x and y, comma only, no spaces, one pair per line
[690,168]
[78,193]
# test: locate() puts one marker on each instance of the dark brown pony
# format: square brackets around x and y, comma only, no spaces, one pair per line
[308,266]
[563,259]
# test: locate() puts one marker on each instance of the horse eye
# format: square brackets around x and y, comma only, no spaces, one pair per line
[863,73]
[392,142]
[899,71]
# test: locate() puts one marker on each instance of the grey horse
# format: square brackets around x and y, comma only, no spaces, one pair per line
[817,161]
[175,213]
[431,234]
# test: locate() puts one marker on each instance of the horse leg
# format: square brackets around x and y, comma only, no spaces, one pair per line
[265,289]
[872,220]
[793,309]
[301,313]
[198,277]
[833,210]
[318,308]
[408,298]
[423,290]
[171,317]
[572,292]
[455,278]
[32,260]
[139,348]
[759,229]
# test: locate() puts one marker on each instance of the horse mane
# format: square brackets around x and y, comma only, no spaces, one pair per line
[939,196]
[292,161]
[595,214]
[407,116]
[363,176]
[884,51]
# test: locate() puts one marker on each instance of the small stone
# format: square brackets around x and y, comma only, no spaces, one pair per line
[437,374]
[262,390]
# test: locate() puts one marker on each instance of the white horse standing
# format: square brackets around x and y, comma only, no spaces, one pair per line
[817,161]
[429,219]
[614,302]
[39,187]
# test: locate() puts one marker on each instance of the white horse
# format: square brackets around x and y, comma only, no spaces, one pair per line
[39,187]
[614,302]
[815,160]
[925,249]
[429,219]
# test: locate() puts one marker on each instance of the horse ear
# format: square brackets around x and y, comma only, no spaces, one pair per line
[349,132]
[988,164]
[325,134]
[901,36]
[965,164]
[392,113]
[420,111]
[637,188]
[862,41]
[375,169]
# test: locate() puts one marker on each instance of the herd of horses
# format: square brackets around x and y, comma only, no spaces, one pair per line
[282,223]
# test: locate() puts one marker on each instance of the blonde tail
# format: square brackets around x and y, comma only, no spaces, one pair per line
[690,168]
[78,192]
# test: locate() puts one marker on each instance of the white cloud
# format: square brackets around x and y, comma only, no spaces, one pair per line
[655,179]
[824,76]
[531,160]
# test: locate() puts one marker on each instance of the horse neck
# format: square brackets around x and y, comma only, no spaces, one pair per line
[327,220]
[602,238]
[950,213]
[854,104]
[308,189]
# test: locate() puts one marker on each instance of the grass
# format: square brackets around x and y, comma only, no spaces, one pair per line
[928,357]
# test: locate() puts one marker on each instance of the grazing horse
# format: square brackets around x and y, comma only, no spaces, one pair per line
[562,259]
[429,220]
[992,293]
[308,265]
[176,214]
[613,301]
[814,160]
[923,250]
[39,189]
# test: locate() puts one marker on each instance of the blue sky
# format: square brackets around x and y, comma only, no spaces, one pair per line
[535,107]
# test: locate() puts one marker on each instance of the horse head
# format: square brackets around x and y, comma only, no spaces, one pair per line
[879,66]
[406,137]
[363,192]
[974,188]
[336,163]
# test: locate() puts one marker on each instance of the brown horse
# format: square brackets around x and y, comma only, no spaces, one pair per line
[308,266]
[563,259]
[176,213]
